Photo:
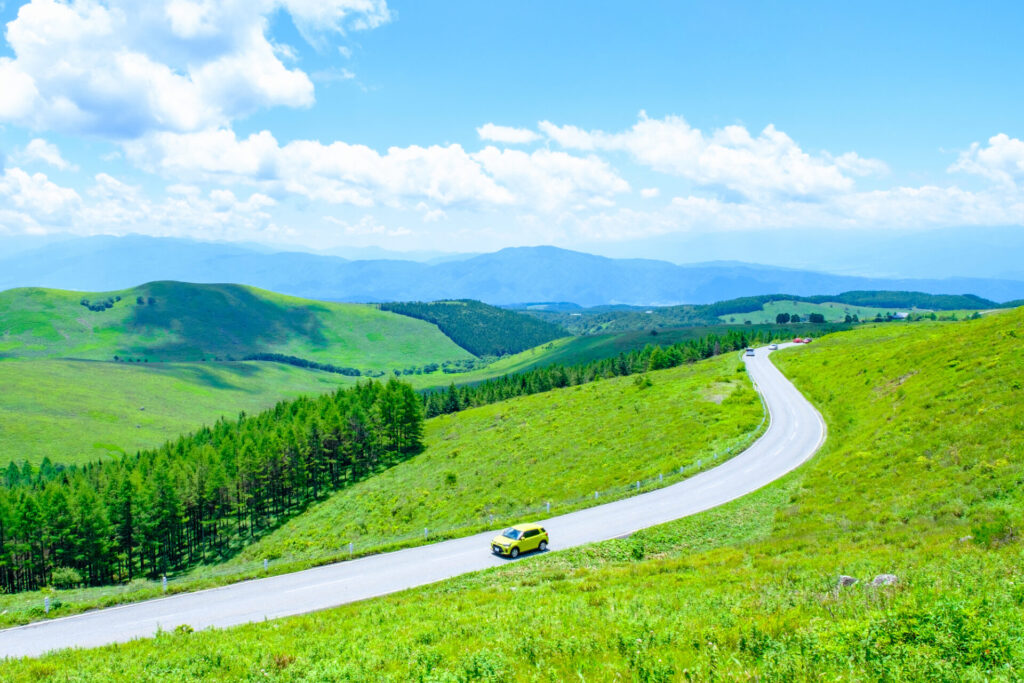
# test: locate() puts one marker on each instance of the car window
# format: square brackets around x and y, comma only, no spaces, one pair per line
[514,534]
[531,533]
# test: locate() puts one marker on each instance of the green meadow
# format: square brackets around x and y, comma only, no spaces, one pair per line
[919,478]
[602,436]
[572,442]
[74,411]
[175,321]
[833,312]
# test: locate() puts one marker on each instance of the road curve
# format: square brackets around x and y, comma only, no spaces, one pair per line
[795,432]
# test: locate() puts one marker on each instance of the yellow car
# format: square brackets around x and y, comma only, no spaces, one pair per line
[520,538]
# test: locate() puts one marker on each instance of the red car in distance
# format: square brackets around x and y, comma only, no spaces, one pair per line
[798,340]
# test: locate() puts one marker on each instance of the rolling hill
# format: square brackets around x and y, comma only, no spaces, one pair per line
[602,436]
[74,411]
[481,329]
[175,321]
[915,497]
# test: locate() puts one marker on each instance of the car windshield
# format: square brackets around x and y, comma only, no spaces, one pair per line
[514,534]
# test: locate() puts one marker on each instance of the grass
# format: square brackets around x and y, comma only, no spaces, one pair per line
[192,322]
[76,411]
[920,477]
[571,441]
[81,411]
[597,437]
[833,312]
[584,349]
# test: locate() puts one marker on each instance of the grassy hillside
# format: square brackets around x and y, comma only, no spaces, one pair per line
[833,311]
[572,441]
[89,410]
[80,411]
[588,348]
[174,321]
[597,437]
[757,309]
[920,477]
[481,329]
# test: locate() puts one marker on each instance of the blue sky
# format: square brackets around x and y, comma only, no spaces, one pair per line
[469,126]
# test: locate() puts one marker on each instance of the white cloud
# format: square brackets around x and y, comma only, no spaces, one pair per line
[119,68]
[430,214]
[20,94]
[506,134]
[548,180]
[36,199]
[40,150]
[340,173]
[1002,161]
[649,192]
[116,207]
[853,163]
[771,164]
[367,225]
[914,208]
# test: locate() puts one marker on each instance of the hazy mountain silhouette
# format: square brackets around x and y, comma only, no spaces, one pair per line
[508,276]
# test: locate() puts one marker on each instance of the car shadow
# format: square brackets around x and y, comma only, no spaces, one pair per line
[532,553]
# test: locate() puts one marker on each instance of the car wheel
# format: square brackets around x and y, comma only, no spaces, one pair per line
[543,546]
[514,553]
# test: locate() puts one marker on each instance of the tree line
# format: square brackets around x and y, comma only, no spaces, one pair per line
[651,357]
[198,498]
[479,328]
[304,363]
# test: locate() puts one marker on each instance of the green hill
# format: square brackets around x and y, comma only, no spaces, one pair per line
[920,478]
[602,436]
[74,411]
[175,321]
[481,329]
[760,309]
[574,441]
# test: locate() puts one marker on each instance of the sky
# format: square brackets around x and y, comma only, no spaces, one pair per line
[616,128]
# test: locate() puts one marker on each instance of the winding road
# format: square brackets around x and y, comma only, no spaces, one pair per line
[795,432]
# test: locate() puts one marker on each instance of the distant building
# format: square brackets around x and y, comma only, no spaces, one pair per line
[900,315]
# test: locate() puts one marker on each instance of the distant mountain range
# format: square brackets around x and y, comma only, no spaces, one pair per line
[508,276]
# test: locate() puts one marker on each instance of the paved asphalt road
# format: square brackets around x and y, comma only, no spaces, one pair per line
[794,434]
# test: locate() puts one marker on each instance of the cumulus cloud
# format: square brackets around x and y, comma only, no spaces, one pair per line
[649,192]
[117,207]
[547,180]
[506,134]
[40,150]
[341,173]
[919,208]
[1002,160]
[33,203]
[120,68]
[757,167]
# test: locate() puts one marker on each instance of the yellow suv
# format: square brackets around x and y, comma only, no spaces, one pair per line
[520,538]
